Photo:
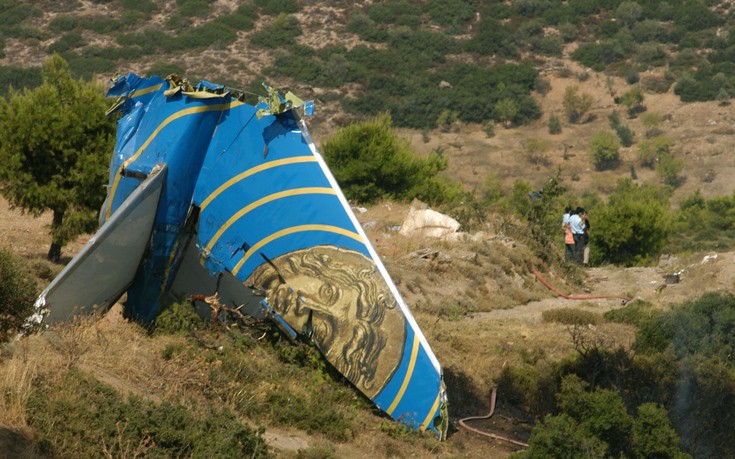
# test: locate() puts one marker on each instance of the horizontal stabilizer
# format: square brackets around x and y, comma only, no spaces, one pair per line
[106,265]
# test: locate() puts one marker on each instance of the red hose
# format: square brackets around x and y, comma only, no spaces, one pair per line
[575,297]
[487,434]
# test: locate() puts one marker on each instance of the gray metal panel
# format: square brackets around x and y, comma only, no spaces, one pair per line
[106,265]
[194,279]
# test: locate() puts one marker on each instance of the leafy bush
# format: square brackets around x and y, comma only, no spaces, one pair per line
[178,318]
[703,327]
[701,334]
[570,316]
[17,293]
[576,105]
[190,8]
[398,12]
[596,424]
[66,42]
[18,78]
[632,100]
[634,313]
[370,162]
[492,37]
[669,168]
[603,149]
[282,32]
[649,151]
[703,224]
[454,14]
[78,416]
[366,28]
[554,125]
[275,7]
[148,6]
[625,134]
[633,226]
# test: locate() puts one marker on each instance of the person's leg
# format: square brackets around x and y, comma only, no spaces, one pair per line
[578,248]
[569,252]
[586,256]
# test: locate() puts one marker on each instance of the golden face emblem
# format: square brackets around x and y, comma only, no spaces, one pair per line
[355,319]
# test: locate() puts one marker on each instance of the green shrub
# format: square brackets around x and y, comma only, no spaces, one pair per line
[282,32]
[64,23]
[625,134]
[603,150]
[17,294]
[704,327]
[243,18]
[78,416]
[147,6]
[188,8]
[163,69]
[633,226]
[632,100]
[634,313]
[492,37]
[554,125]
[669,168]
[178,318]
[14,13]
[596,424]
[366,28]
[66,42]
[18,78]
[570,316]
[398,12]
[276,7]
[703,224]
[576,105]
[370,162]
[209,34]
[453,14]
[649,151]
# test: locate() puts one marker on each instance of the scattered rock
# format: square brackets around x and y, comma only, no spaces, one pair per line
[428,223]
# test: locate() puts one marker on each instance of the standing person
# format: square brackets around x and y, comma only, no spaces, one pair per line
[565,217]
[586,249]
[577,226]
[568,236]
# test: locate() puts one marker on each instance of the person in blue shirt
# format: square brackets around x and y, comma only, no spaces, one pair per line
[576,224]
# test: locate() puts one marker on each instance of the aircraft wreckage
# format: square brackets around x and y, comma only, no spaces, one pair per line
[210,195]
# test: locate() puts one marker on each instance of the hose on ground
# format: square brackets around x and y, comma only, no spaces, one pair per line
[625,299]
[487,416]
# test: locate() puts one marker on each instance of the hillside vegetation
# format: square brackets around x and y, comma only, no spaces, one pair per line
[496,113]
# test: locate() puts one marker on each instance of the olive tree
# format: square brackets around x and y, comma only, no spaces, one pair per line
[54,145]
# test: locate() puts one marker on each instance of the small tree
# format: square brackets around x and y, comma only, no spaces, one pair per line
[669,168]
[576,105]
[633,101]
[554,125]
[632,228]
[370,162]
[650,121]
[603,149]
[54,146]
[651,150]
